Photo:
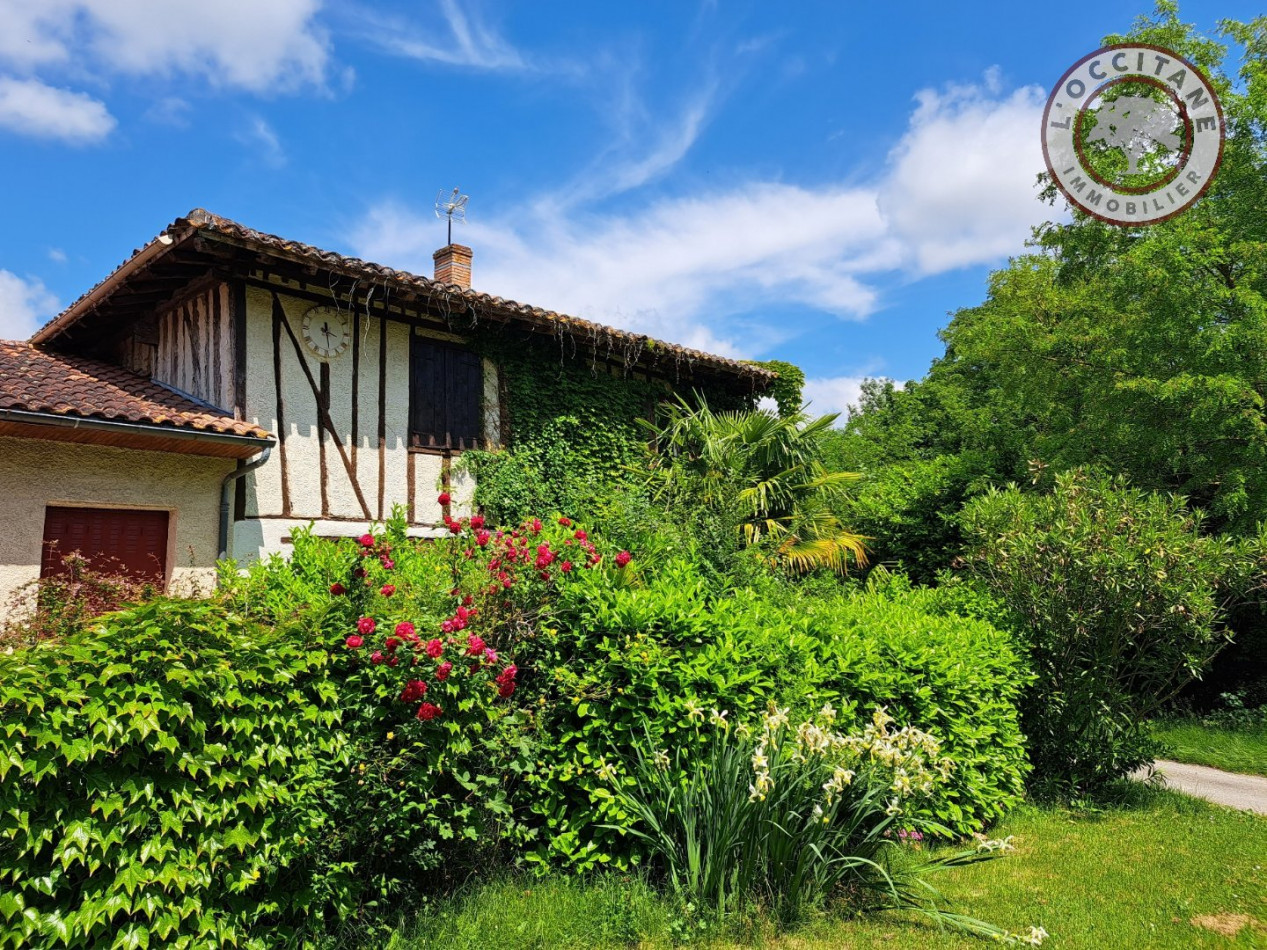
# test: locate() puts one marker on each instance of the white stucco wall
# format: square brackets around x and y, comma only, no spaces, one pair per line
[266,524]
[35,474]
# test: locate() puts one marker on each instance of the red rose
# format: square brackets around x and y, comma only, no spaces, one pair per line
[623,558]
[393,660]
[481,537]
[475,645]
[376,657]
[392,643]
[387,590]
[388,564]
[507,675]
[477,521]
[337,589]
[353,642]
[490,656]
[535,526]
[434,649]
[429,711]
[414,690]
[455,527]
[442,671]
[505,689]
[367,540]
[444,498]
[366,625]
[468,600]
[405,630]
[566,522]
[565,567]
[580,535]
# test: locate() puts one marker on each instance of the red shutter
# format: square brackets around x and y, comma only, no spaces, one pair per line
[114,540]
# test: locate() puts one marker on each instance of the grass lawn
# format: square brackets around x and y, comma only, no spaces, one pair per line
[1162,871]
[1233,750]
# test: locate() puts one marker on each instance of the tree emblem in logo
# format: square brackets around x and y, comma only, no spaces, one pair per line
[1133,134]
[1135,124]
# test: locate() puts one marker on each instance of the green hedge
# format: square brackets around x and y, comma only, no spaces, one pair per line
[619,659]
[162,782]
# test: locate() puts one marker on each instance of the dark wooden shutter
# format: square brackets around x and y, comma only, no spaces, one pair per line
[114,540]
[426,394]
[446,387]
[466,387]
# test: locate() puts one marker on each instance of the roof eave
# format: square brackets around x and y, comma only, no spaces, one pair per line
[245,442]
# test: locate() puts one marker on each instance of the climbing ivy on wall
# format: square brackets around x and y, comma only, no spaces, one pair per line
[786,389]
[574,429]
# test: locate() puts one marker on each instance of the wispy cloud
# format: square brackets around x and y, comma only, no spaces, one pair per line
[645,150]
[699,270]
[461,38]
[25,305]
[262,142]
[29,107]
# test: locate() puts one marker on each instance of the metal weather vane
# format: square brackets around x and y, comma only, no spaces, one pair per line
[451,206]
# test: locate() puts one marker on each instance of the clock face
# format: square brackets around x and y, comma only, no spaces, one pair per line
[327,331]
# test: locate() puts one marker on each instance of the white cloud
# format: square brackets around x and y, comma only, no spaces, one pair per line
[962,181]
[464,40]
[694,270]
[247,44]
[832,394]
[29,107]
[57,255]
[261,140]
[25,305]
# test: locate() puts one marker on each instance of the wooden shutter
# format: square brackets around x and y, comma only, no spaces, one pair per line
[426,394]
[446,387]
[465,381]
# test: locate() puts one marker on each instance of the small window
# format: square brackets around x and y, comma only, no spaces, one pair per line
[446,388]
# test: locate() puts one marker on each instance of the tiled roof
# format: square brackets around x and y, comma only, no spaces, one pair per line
[36,380]
[450,297]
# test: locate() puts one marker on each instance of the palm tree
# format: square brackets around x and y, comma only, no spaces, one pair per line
[767,467]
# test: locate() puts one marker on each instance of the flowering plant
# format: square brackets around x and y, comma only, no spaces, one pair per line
[497,578]
[793,815]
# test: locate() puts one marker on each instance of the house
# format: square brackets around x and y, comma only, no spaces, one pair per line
[223,387]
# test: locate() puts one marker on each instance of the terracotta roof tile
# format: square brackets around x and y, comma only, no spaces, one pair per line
[653,353]
[33,379]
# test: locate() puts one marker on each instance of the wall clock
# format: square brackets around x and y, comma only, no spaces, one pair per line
[327,331]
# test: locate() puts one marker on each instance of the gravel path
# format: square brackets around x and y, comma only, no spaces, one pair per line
[1246,792]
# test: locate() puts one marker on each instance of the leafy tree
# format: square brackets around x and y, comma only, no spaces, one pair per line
[1137,350]
[764,470]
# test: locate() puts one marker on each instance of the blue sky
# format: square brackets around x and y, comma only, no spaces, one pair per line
[820,183]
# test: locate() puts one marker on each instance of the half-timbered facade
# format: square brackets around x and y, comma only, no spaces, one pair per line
[343,389]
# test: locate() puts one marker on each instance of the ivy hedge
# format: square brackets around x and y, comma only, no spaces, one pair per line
[163,779]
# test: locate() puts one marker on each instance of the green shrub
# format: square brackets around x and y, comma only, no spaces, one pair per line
[164,781]
[62,604]
[1119,600]
[907,511]
[660,648]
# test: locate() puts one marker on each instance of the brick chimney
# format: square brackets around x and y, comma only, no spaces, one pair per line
[453,265]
